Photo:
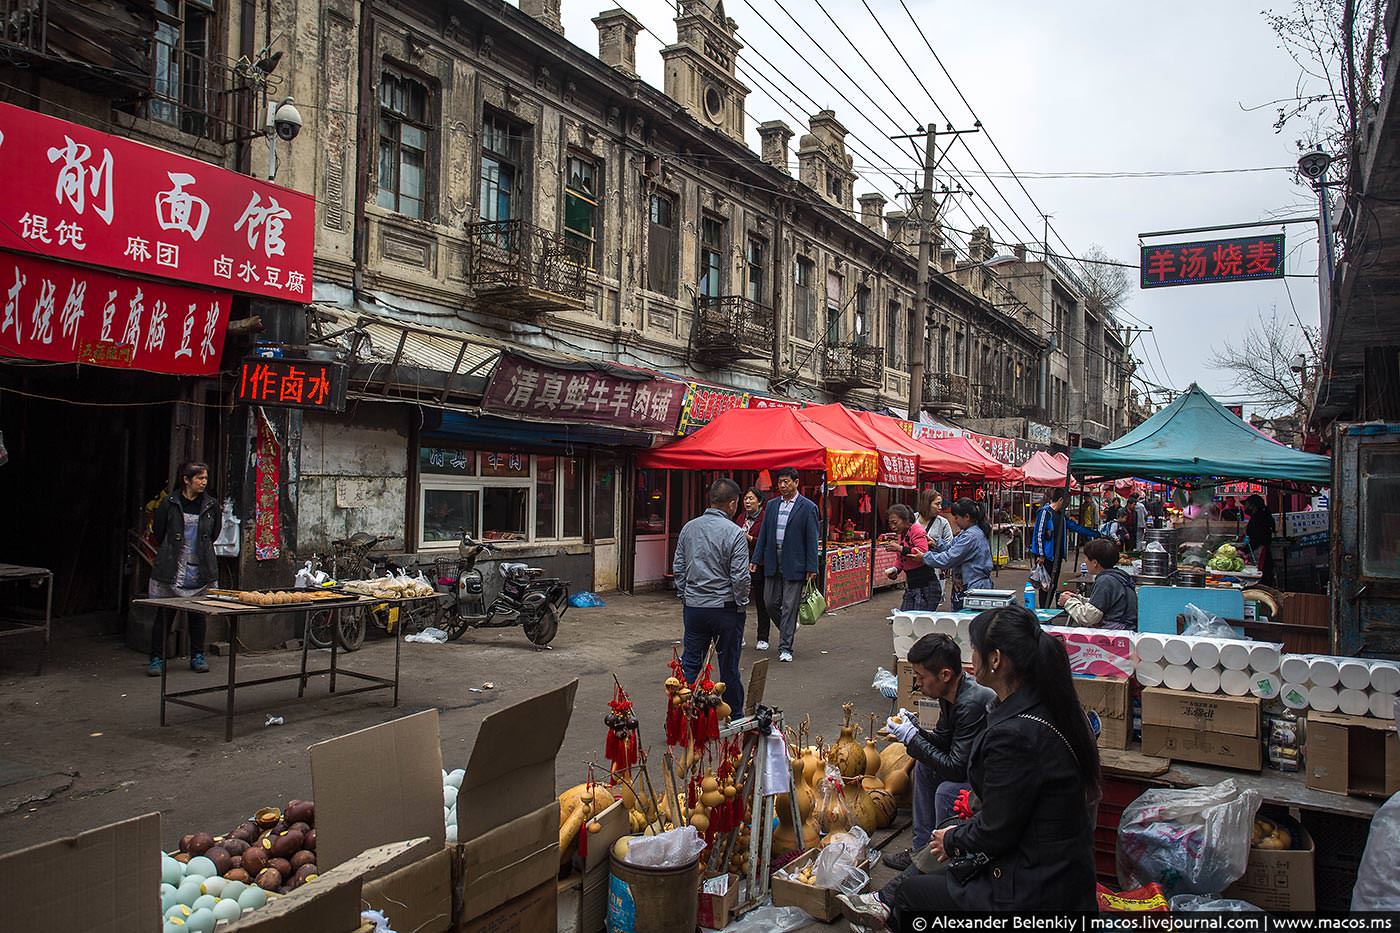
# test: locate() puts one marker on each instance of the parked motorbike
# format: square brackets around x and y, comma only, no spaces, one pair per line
[528,598]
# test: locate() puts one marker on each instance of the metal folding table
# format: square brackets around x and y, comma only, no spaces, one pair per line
[23,625]
[233,614]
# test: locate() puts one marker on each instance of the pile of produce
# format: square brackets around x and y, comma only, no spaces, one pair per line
[215,879]
[281,597]
[394,586]
[1225,559]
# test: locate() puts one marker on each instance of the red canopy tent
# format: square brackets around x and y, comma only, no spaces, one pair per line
[980,463]
[764,439]
[932,460]
[1044,469]
[898,454]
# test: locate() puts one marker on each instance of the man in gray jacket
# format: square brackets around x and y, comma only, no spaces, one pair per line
[711,570]
[940,754]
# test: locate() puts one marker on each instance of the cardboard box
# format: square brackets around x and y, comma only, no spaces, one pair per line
[1279,879]
[535,911]
[1111,700]
[810,899]
[719,898]
[906,695]
[508,861]
[1210,729]
[1352,755]
[416,897]
[117,892]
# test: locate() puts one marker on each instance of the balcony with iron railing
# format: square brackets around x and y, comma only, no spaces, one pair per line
[853,366]
[732,327]
[947,391]
[516,266]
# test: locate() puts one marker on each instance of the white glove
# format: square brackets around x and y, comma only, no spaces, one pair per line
[904,729]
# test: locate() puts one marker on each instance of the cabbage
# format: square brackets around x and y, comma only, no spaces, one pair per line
[1227,551]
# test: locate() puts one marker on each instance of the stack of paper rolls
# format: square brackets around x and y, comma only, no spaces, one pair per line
[1209,665]
[1328,684]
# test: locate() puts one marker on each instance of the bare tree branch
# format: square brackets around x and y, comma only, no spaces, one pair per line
[1262,364]
[1108,284]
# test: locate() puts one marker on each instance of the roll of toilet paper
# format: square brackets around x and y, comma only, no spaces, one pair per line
[964,626]
[1176,650]
[1234,683]
[903,626]
[1385,676]
[1205,680]
[1264,657]
[1268,686]
[1353,702]
[1354,674]
[1382,704]
[1323,699]
[1294,668]
[1205,652]
[924,625]
[1176,676]
[1149,673]
[902,644]
[1294,696]
[1323,672]
[1234,656]
[946,625]
[1149,647]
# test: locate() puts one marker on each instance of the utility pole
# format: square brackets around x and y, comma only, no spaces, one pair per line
[918,318]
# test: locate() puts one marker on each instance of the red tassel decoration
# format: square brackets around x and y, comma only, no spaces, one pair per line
[676,726]
[620,748]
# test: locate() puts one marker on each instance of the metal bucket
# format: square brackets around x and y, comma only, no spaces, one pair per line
[652,900]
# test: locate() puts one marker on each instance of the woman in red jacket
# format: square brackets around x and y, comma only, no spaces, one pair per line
[921,584]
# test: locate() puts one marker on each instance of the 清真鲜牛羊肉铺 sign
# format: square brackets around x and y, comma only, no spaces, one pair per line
[1240,259]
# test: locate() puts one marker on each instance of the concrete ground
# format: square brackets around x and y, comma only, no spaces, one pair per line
[81,745]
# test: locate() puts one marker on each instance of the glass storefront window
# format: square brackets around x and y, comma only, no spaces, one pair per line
[649,503]
[571,494]
[1380,514]
[546,492]
[445,511]
[604,499]
[503,512]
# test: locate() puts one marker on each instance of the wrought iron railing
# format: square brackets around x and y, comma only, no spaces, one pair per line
[515,255]
[854,365]
[24,26]
[949,388]
[734,326]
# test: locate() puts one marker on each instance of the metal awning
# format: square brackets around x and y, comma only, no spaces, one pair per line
[403,360]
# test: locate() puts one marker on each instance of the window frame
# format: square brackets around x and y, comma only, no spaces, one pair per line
[173,105]
[401,118]
[429,482]
[756,269]
[893,312]
[518,135]
[860,323]
[587,253]
[804,298]
[670,276]
[706,248]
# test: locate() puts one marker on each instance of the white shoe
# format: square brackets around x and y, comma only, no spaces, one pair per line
[784,655]
[761,645]
[866,912]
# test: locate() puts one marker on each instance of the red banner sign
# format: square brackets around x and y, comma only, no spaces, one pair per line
[704,404]
[285,383]
[760,401]
[523,387]
[1242,259]
[899,471]
[91,197]
[851,467]
[69,314]
[847,576]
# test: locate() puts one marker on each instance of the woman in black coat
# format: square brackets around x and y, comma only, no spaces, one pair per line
[1035,773]
[185,526]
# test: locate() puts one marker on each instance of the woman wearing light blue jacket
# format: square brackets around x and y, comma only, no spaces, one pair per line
[969,553]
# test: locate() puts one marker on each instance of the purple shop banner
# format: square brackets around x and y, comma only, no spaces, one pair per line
[525,388]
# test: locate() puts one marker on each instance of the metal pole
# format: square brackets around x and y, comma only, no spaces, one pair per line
[918,319]
[1257,223]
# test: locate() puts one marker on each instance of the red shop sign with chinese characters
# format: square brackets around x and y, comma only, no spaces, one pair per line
[91,197]
[898,470]
[277,382]
[763,401]
[69,314]
[523,387]
[1242,259]
[704,404]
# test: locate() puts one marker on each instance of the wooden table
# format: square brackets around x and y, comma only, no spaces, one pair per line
[232,614]
[1276,787]
[22,625]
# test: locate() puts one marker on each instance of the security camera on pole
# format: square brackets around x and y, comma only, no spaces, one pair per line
[283,122]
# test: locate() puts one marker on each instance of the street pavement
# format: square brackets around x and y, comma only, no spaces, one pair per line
[82,745]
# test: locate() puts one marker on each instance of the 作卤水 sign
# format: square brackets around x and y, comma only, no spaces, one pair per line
[279,382]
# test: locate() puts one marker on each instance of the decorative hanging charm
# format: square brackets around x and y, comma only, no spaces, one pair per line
[676,695]
[621,745]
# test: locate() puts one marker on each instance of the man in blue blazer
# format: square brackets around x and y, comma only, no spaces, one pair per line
[786,553]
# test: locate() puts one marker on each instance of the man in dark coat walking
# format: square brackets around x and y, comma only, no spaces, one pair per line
[787,551]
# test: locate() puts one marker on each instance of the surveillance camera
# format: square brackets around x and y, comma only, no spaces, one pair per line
[1313,164]
[287,121]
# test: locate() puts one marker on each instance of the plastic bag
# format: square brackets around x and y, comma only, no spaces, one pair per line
[674,848]
[1378,878]
[1192,902]
[429,636]
[586,600]
[303,577]
[840,857]
[886,683]
[1190,841]
[1202,623]
[226,544]
[832,813]
[770,919]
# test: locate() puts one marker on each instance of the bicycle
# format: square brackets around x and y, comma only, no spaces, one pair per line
[350,559]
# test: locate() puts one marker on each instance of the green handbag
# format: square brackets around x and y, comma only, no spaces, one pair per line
[813,604]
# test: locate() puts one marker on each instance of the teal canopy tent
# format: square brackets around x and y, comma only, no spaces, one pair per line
[1195,436]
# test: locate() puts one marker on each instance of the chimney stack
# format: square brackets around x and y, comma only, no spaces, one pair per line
[901,229]
[872,211]
[774,135]
[545,11]
[617,40]
[1020,251]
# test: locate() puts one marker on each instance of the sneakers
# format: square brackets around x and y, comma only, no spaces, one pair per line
[900,860]
[197,664]
[154,668]
[865,911]
[761,645]
[784,655]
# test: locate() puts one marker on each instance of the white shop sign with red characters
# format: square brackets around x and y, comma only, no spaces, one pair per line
[80,195]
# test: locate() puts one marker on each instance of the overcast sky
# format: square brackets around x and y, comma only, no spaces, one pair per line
[1061,88]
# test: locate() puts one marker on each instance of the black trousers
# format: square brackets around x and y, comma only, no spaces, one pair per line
[757,600]
[914,892]
[161,629]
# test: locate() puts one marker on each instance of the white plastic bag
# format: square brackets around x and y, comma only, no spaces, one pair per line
[840,857]
[304,577]
[1191,902]
[1190,841]
[226,544]
[770,919]
[1202,623]
[1378,878]
[886,683]
[429,636]
[674,848]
